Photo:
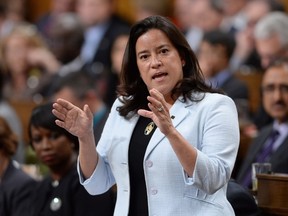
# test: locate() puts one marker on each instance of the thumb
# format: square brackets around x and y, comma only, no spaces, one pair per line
[87,111]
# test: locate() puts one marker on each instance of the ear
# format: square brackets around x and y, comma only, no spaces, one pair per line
[183,62]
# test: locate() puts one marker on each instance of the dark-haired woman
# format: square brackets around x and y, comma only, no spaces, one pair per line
[60,193]
[170,141]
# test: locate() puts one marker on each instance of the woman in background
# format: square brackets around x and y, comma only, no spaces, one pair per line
[60,193]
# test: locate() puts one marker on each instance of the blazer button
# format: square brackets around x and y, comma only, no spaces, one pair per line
[154,191]
[149,163]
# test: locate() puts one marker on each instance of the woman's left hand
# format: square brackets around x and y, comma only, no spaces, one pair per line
[159,113]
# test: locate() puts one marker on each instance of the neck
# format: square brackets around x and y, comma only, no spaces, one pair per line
[58,172]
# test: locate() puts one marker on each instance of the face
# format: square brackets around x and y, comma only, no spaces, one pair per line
[275,92]
[92,12]
[16,49]
[270,49]
[52,148]
[67,94]
[159,62]
[118,50]
[212,59]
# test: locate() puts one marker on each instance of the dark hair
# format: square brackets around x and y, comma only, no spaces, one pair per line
[133,90]
[8,139]
[42,116]
[218,37]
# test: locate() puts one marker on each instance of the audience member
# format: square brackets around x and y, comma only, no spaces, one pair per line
[205,15]
[271,39]
[102,26]
[214,56]
[145,8]
[117,53]
[56,8]
[60,193]
[234,19]
[27,61]
[275,101]
[245,56]
[242,200]
[80,88]
[9,114]
[15,184]
[12,12]
[66,38]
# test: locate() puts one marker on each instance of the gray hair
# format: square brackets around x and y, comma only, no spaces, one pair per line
[273,23]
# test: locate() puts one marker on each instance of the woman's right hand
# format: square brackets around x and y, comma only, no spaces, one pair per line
[75,120]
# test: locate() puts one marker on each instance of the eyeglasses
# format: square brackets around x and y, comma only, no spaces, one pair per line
[269,89]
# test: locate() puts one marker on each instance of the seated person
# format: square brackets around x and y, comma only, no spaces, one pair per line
[15,185]
[60,193]
[271,143]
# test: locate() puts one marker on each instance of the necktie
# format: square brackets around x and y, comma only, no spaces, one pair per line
[262,157]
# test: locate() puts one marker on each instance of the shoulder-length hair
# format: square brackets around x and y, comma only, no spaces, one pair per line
[133,92]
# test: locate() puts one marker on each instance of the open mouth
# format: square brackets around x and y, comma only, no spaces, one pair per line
[159,75]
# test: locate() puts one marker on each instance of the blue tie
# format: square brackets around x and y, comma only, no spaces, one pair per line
[263,156]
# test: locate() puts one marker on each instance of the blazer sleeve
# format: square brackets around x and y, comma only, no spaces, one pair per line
[218,143]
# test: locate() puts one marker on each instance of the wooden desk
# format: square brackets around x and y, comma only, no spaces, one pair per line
[272,194]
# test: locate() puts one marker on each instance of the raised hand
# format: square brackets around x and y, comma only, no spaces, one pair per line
[159,111]
[75,120]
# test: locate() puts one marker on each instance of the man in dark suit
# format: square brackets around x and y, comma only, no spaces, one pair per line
[102,27]
[275,102]
[214,56]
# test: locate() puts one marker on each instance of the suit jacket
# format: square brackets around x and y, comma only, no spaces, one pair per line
[102,56]
[235,88]
[15,191]
[278,160]
[211,126]
[241,199]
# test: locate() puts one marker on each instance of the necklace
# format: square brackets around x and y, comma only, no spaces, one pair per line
[149,128]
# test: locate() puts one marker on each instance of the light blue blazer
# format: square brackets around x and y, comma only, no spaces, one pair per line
[211,126]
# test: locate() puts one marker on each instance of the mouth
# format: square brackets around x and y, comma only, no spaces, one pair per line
[159,75]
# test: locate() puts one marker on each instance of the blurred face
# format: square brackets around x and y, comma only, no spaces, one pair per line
[159,62]
[270,49]
[52,148]
[212,59]
[275,92]
[92,12]
[67,94]
[118,50]
[62,6]
[15,54]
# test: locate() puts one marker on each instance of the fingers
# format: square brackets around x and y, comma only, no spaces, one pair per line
[157,100]
[87,111]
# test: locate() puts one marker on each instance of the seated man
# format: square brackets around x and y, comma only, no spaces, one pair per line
[266,147]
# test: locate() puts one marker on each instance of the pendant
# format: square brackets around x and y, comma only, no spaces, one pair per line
[55,204]
[149,128]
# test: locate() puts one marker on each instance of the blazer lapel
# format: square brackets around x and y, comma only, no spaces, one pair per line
[178,112]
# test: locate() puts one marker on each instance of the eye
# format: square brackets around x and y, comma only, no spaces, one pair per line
[143,56]
[36,139]
[164,51]
[54,135]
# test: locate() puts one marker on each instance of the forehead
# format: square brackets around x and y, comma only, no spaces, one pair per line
[276,75]
[153,37]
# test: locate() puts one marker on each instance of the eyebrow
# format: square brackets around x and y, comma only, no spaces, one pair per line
[159,47]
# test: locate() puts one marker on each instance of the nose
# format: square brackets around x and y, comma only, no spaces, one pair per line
[45,143]
[156,62]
